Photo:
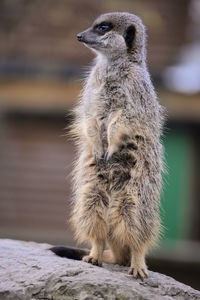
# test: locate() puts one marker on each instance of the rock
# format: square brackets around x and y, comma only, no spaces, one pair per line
[29,270]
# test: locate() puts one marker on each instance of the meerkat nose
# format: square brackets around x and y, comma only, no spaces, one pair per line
[79,37]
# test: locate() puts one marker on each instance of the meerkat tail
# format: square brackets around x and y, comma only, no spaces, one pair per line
[108,257]
[78,254]
[72,253]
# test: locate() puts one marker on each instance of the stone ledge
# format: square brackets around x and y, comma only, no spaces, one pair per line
[29,271]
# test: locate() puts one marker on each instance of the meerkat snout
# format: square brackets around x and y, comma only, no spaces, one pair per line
[79,37]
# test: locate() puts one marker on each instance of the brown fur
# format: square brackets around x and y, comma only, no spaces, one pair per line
[117,177]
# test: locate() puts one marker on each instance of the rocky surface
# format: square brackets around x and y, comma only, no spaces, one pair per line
[29,270]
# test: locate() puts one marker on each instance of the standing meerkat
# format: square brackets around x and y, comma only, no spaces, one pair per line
[118,128]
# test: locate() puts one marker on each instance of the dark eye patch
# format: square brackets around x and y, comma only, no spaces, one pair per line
[103,27]
[129,36]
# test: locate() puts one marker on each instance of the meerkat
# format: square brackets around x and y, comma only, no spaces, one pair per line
[118,127]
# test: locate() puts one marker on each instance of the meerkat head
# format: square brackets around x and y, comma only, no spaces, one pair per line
[116,35]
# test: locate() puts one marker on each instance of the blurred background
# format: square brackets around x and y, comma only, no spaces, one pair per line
[41,67]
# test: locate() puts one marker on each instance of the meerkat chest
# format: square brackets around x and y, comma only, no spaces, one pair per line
[94,99]
[104,92]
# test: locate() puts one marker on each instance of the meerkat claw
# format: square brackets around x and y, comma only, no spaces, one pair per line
[108,156]
[138,273]
[89,259]
[145,273]
[98,159]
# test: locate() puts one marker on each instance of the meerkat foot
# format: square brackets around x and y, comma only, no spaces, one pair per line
[92,260]
[138,272]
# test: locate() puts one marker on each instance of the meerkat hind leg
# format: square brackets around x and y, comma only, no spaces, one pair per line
[138,266]
[96,253]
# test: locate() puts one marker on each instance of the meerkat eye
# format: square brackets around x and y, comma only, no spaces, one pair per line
[103,27]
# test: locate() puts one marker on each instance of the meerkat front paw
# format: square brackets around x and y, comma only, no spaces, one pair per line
[92,260]
[109,153]
[138,272]
[98,155]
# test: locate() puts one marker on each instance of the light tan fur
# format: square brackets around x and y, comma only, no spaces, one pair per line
[117,177]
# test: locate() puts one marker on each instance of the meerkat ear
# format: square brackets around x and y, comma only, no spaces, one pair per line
[129,36]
